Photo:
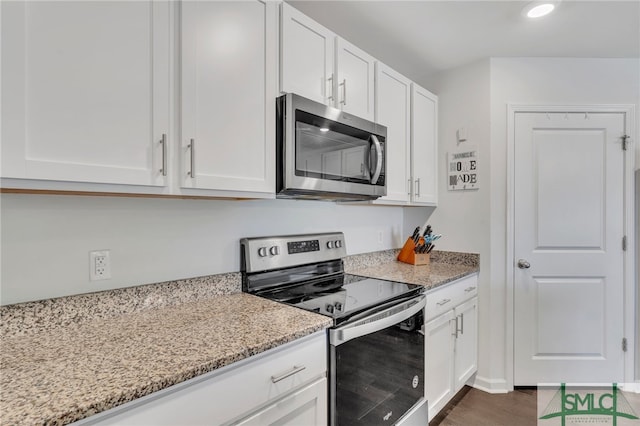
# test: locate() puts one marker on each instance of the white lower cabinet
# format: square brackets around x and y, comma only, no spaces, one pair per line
[451,341]
[439,360]
[308,406]
[285,385]
[466,348]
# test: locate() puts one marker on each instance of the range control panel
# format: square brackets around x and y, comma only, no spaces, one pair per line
[267,253]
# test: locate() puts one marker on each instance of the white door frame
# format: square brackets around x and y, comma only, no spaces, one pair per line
[629,255]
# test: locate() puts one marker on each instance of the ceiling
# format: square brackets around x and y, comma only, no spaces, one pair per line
[422,38]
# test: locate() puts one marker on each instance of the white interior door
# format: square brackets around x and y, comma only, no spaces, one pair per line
[569,205]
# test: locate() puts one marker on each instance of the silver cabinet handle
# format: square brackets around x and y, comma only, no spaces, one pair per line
[344,92]
[163,142]
[443,302]
[330,79]
[523,264]
[378,170]
[409,189]
[418,187]
[461,323]
[455,332]
[295,370]
[468,289]
[192,149]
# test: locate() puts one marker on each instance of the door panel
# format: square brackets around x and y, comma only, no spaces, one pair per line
[307,57]
[424,146]
[569,228]
[466,350]
[393,106]
[90,108]
[569,317]
[570,191]
[227,109]
[355,80]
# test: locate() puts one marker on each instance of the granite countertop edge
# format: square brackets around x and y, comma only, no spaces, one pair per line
[147,388]
[182,349]
[445,267]
[24,323]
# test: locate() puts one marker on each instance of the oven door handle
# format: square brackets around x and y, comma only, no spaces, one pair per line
[378,321]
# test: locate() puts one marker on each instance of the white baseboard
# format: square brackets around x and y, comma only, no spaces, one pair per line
[490,385]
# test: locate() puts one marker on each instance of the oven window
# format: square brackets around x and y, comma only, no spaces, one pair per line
[380,376]
[329,150]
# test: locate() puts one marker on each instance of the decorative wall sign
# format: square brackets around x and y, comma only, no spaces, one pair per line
[463,170]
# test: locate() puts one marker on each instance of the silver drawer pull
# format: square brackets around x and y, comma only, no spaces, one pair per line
[443,302]
[468,289]
[295,370]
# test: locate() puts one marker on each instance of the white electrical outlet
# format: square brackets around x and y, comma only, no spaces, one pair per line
[99,265]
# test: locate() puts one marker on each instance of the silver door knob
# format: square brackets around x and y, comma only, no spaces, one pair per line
[523,264]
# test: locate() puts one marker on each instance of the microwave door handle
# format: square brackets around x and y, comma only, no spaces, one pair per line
[376,174]
[378,321]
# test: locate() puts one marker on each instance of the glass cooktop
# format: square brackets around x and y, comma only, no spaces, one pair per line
[341,296]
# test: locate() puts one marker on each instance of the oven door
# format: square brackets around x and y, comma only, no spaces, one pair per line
[324,151]
[377,367]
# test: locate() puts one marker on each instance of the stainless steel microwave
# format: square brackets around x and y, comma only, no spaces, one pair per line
[325,153]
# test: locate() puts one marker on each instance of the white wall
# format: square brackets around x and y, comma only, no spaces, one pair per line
[542,81]
[46,239]
[475,96]
[462,217]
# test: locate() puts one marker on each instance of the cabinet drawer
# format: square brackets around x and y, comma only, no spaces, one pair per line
[229,393]
[444,298]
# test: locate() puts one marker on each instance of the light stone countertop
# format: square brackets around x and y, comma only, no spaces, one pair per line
[443,268]
[65,359]
[64,374]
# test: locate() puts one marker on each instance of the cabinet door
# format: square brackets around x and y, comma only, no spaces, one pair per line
[466,358]
[308,406]
[355,80]
[228,95]
[424,146]
[439,347]
[307,58]
[85,91]
[393,103]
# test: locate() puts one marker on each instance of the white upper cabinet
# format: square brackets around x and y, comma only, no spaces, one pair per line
[228,83]
[424,146]
[355,71]
[85,91]
[393,110]
[318,65]
[306,57]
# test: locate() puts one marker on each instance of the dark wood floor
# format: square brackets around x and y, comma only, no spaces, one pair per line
[472,407]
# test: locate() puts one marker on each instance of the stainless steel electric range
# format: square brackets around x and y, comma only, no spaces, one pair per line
[376,344]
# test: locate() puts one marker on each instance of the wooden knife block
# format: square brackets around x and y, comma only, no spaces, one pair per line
[407,255]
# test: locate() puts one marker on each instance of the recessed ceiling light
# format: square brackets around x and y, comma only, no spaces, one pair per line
[539,9]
